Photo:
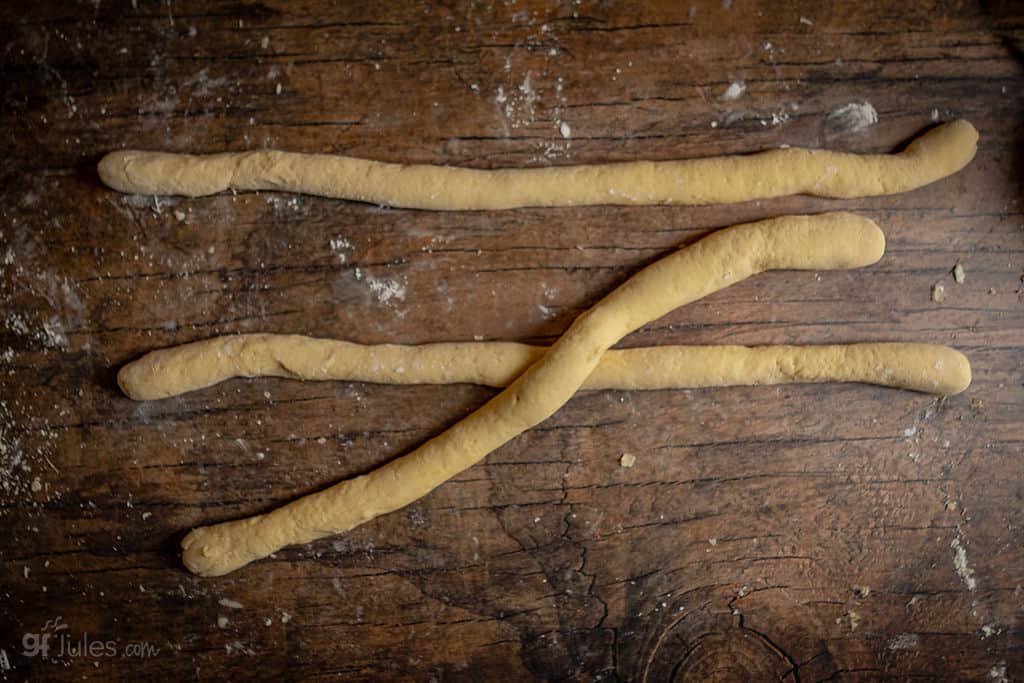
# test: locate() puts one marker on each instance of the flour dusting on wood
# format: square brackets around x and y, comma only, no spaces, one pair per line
[734,91]
[960,562]
[340,245]
[904,641]
[386,290]
[854,117]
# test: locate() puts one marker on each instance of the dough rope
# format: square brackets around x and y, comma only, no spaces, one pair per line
[173,371]
[829,241]
[938,153]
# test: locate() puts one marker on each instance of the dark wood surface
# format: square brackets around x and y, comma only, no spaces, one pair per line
[807,533]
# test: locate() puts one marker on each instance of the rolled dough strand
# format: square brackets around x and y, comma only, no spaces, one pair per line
[934,155]
[829,241]
[170,372]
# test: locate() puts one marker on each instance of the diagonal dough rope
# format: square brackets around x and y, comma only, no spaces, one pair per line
[177,370]
[934,155]
[828,241]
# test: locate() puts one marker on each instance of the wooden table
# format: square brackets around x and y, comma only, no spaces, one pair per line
[818,532]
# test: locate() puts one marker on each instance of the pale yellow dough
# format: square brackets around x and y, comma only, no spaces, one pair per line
[180,369]
[829,241]
[934,155]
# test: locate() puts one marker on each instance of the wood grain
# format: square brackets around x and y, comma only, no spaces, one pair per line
[807,533]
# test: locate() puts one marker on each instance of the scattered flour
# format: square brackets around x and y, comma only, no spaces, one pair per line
[239,646]
[15,323]
[855,117]
[201,84]
[989,630]
[851,618]
[52,334]
[14,467]
[960,563]
[735,90]
[19,478]
[280,203]
[765,118]
[518,106]
[998,673]
[386,290]
[904,641]
[338,245]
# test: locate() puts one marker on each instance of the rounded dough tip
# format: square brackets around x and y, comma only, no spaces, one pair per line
[874,239]
[964,128]
[959,379]
[868,238]
[965,141]
[112,170]
[124,381]
[948,147]
[197,556]
[137,381]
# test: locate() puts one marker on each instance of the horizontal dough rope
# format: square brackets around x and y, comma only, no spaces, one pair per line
[829,241]
[180,369]
[934,155]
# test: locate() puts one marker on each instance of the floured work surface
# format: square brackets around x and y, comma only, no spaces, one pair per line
[833,520]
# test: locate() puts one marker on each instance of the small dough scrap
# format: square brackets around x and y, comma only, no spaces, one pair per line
[177,370]
[828,241]
[936,154]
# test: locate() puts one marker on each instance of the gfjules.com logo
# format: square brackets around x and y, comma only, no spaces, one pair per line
[55,641]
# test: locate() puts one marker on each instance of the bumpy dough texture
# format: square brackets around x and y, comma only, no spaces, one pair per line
[938,153]
[828,241]
[180,369]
